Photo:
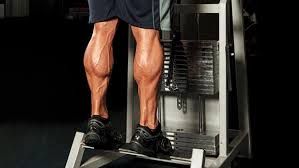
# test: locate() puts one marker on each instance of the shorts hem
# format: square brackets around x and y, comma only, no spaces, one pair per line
[96,20]
[140,25]
[144,26]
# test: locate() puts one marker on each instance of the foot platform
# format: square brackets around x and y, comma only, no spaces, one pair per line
[107,156]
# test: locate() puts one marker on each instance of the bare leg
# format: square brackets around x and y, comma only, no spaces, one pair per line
[148,64]
[98,63]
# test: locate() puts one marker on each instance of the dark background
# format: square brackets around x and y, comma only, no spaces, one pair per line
[44,93]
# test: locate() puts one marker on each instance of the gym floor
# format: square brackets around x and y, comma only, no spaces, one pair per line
[44,94]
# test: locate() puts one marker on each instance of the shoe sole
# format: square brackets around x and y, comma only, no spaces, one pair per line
[137,147]
[93,139]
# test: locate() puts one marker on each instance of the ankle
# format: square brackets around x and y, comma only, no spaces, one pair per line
[103,119]
[152,126]
[101,115]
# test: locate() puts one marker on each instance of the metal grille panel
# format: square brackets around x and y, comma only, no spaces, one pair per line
[190,67]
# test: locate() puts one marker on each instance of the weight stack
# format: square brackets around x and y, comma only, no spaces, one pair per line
[183,143]
[175,74]
[203,66]
[191,66]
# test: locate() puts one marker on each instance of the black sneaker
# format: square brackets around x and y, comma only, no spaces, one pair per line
[101,135]
[150,143]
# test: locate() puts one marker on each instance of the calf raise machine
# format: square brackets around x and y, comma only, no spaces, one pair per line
[193,106]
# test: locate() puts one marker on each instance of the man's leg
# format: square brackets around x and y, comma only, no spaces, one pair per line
[98,62]
[147,70]
[148,138]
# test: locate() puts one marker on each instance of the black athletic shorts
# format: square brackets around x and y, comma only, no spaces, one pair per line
[152,14]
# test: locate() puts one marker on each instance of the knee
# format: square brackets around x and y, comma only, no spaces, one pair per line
[104,30]
[146,37]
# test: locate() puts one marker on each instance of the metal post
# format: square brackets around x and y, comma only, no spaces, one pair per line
[76,153]
[130,87]
[241,70]
[222,79]
[2,11]
[198,158]
[202,115]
